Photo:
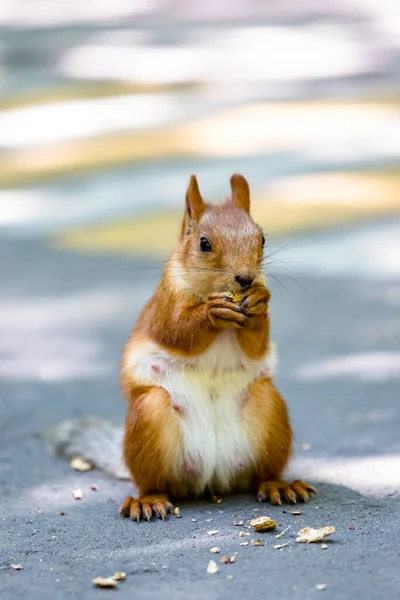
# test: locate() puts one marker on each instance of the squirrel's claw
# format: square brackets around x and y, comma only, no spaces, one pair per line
[145,507]
[275,491]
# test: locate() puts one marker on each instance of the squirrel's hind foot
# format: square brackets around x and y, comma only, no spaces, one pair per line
[276,490]
[145,507]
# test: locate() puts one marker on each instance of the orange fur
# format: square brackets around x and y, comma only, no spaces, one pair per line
[254,339]
[151,437]
[194,304]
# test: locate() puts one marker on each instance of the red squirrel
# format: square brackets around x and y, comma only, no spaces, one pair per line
[203,413]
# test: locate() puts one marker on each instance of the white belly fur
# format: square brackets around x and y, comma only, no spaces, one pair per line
[210,389]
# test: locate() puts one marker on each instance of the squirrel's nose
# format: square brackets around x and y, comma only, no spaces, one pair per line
[244,281]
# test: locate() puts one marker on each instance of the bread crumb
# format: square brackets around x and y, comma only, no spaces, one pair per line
[283,531]
[309,535]
[228,559]
[212,567]
[105,582]
[263,524]
[279,546]
[243,534]
[80,464]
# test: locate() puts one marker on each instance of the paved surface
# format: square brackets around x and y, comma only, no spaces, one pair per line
[64,319]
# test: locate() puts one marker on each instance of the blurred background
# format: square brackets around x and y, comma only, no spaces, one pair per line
[108,107]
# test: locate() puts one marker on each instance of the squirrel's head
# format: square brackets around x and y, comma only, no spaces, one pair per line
[221,247]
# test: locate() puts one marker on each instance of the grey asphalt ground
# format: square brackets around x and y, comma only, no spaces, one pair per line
[64,319]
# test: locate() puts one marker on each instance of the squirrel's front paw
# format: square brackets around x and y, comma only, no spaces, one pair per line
[223,312]
[255,300]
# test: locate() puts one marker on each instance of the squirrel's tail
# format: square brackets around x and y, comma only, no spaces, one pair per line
[90,438]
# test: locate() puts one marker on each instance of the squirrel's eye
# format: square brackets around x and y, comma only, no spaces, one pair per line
[205,245]
[263,241]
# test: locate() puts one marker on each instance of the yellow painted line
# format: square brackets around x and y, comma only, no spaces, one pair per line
[35,165]
[242,130]
[85,91]
[107,89]
[359,196]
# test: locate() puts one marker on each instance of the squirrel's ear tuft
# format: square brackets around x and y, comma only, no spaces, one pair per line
[240,192]
[195,205]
